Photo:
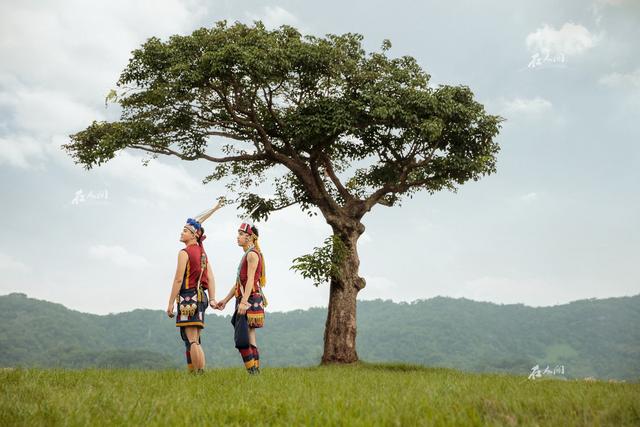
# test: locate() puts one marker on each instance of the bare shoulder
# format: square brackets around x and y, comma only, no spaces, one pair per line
[252,257]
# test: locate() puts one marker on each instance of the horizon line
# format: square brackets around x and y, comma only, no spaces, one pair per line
[416,301]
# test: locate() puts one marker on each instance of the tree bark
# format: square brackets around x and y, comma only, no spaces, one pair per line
[340,328]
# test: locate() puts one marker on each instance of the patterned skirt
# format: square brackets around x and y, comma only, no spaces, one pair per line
[255,312]
[191,308]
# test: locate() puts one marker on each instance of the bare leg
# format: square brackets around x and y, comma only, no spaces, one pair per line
[197,355]
[204,361]
[252,336]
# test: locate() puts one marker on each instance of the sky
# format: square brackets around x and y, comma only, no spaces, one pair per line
[558,222]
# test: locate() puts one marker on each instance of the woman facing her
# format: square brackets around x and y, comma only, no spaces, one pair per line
[247,290]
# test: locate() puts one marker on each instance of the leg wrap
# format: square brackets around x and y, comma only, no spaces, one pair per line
[187,345]
[247,357]
[187,352]
[256,356]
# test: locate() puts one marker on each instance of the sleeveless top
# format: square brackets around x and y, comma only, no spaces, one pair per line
[241,280]
[192,270]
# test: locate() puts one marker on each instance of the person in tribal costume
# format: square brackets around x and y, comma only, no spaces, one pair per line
[193,277]
[250,300]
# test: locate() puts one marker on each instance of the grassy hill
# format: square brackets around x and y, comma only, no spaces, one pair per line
[597,338]
[357,395]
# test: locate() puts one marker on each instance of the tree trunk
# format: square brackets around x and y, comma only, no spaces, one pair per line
[340,329]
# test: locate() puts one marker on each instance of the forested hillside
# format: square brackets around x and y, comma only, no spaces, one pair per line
[599,338]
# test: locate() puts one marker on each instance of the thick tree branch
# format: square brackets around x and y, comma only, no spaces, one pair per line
[286,205]
[268,97]
[169,152]
[401,184]
[295,165]
[348,197]
[226,135]
[329,201]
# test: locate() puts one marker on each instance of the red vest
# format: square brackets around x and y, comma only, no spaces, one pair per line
[192,270]
[244,266]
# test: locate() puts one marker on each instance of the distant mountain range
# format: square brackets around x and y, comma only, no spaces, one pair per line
[587,338]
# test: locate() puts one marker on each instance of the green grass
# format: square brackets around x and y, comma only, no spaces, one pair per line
[360,394]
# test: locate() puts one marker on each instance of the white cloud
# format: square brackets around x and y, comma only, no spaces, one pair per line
[529,197]
[118,255]
[274,17]
[9,263]
[43,112]
[20,151]
[629,80]
[570,40]
[59,59]
[598,6]
[37,122]
[528,107]
[379,287]
[158,179]
[41,41]
[293,218]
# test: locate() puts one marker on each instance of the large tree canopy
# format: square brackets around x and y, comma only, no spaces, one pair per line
[342,129]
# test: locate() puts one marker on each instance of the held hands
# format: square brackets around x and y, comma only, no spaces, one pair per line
[217,305]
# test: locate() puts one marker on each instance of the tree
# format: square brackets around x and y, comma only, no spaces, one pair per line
[344,130]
